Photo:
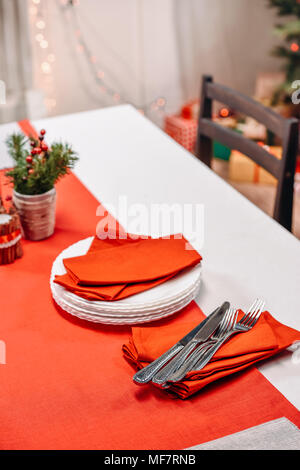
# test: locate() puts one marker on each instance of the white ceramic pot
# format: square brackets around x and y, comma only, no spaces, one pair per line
[37,213]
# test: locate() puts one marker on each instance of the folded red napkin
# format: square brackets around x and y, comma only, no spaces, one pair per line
[117,268]
[265,339]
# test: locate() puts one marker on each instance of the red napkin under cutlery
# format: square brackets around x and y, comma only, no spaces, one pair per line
[116,268]
[266,338]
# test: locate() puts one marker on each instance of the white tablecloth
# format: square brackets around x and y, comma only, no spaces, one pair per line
[245,253]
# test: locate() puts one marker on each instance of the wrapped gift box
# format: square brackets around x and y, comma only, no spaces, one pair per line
[243,169]
[221,151]
[183,130]
[253,130]
[190,110]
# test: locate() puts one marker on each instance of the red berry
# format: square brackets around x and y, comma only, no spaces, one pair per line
[36,150]
[44,147]
[8,198]
[43,132]
[29,159]
[30,171]
[32,143]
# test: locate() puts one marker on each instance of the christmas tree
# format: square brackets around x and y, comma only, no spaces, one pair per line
[289,31]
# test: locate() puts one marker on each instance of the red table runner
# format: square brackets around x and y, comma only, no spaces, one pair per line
[66,384]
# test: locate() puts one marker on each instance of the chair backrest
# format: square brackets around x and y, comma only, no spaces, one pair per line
[286,129]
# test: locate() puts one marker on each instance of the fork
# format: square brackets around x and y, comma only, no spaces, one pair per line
[161,377]
[246,323]
[226,325]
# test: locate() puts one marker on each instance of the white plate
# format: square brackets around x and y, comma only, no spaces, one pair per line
[89,311]
[157,296]
[121,315]
[155,303]
[126,320]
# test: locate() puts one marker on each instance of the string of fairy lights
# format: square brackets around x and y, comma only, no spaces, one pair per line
[99,73]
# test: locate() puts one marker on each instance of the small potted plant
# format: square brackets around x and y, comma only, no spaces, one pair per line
[37,169]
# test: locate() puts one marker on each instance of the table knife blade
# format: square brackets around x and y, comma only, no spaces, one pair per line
[205,329]
[145,375]
[202,335]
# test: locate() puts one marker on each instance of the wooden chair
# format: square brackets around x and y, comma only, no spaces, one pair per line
[287,129]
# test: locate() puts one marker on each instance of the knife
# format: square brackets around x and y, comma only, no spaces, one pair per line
[203,334]
[144,375]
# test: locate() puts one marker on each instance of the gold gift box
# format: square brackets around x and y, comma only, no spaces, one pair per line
[243,169]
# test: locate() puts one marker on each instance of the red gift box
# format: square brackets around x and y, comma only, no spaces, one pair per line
[184,131]
[190,110]
[183,127]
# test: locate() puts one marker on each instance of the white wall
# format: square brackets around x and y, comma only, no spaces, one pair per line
[15,62]
[230,39]
[152,48]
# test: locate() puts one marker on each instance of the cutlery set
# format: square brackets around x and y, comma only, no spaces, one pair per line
[199,346]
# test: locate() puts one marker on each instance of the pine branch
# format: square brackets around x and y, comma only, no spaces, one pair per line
[45,169]
[282,51]
[288,31]
[286,7]
[15,144]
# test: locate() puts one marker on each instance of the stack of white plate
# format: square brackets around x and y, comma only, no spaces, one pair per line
[153,304]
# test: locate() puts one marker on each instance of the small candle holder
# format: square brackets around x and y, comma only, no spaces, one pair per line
[10,234]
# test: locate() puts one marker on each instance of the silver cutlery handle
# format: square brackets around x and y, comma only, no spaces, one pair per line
[207,357]
[188,365]
[144,375]
[161,377]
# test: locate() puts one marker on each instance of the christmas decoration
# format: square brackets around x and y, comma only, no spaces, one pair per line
[34,175]
[290,33]
[184,131]
[226,118]
[190,110]
[243,169]
[10,233]
[183,127]
[37,170]
[221,151]
[251,129]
